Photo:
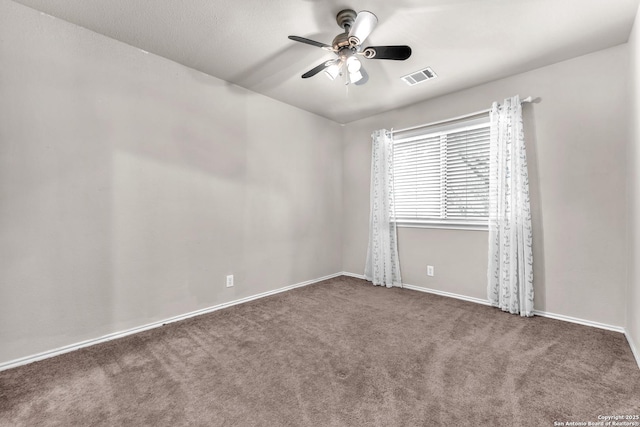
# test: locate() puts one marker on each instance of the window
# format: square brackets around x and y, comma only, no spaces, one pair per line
[441,175]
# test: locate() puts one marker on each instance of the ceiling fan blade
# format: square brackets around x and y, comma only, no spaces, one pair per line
[398,53]
[362,27]
[315,70]
[311,42]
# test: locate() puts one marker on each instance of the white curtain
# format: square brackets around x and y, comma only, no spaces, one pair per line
[382,266]
[510,273]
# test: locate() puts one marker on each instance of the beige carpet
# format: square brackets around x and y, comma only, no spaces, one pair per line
[337,353]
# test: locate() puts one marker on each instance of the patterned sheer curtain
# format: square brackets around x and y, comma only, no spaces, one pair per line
[510,273]
[382,266]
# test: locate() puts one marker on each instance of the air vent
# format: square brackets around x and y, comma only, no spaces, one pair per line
[419,76]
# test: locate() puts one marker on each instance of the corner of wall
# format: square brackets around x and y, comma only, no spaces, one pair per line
[342,139]
[633,195]
[343,205]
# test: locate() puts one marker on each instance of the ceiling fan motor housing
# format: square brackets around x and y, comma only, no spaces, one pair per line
[341,41]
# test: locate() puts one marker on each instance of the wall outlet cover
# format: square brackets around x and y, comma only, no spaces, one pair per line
[229,280]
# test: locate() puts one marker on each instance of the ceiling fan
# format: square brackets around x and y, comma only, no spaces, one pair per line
[348,46]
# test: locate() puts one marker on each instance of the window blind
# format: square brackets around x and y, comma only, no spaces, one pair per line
[442,176]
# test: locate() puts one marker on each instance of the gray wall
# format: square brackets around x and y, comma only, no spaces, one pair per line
[131,185]
[576,145]
[633,297]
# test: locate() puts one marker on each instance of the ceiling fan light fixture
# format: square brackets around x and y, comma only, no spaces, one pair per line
[353,64]
[332,71]
[355,77]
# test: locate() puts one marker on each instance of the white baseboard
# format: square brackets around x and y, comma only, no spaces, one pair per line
[357,276]
[72,347]
[446,294]
[579,321]
[427,290]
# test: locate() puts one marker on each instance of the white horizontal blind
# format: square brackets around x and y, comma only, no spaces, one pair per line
[441,176]
[417,178]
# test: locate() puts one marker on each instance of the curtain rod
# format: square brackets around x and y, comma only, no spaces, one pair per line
[477,113]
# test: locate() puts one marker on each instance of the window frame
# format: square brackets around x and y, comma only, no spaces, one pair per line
[432,132]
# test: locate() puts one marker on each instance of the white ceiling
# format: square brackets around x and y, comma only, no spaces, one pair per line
[466,42]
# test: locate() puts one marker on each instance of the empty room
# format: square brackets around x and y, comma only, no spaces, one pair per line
[320,213]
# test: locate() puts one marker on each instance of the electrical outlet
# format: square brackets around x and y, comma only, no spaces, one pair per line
[229,280]
[430,270]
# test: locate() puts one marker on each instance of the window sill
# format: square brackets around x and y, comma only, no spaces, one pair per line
[443,225]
